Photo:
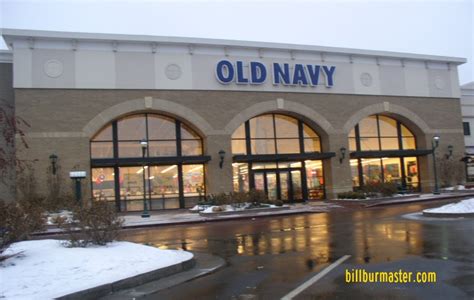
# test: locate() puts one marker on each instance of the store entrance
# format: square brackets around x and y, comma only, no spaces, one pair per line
[280,184]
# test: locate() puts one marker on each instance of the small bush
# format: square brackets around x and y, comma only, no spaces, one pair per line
[380,189]
[257,197]
[218,199]
[236,198]
[240,197]
[278,203]
[351,195]
[97,224]
[17,222]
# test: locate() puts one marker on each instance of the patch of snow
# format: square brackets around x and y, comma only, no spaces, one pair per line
[214,208]
[66,215]
[46,269]
[465,206]
[418,216]
[455,188]
[233,207]
[199,207]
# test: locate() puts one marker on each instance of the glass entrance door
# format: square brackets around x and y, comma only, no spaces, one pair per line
[284,186]
[296,185]
[281,184]
[271,186]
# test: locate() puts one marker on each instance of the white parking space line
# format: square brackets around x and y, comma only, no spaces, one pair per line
[314,279]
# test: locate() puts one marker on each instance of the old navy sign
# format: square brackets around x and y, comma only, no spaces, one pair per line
[257,73]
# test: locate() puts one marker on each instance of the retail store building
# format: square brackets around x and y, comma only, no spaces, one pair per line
[299,122]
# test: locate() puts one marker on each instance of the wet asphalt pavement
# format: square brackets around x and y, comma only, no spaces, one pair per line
[269,257]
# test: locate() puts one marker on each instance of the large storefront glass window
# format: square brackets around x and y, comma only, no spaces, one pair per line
[193,183]
[411,172]
[103,187]
[383,134]
[315,179]
[117,155]
[164,186]
[274,136]
[240,177]
[131,187]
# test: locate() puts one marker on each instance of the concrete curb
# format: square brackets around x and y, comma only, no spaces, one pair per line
[244,212]
[448,215]
[205,264]
[461,196]
[106,289]
[227,218]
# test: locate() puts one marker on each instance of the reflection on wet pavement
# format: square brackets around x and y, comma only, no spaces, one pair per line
[269,257]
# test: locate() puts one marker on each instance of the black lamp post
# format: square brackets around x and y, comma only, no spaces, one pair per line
[434,145]
[144,145]
[54,159]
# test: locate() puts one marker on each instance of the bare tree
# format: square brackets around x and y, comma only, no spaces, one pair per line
[10,127]
[451,171]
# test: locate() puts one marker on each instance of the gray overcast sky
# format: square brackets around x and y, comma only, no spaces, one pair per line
[438,27]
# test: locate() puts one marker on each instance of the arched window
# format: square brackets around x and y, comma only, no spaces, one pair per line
[383,145]
[280,155]
[173,163]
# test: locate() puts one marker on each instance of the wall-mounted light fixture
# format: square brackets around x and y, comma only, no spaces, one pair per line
[54,159]
[221,156]
[343,154]
[450,152]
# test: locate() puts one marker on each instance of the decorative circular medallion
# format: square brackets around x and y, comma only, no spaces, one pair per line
[53,68]
[366,79]
[173,71]
[439,83]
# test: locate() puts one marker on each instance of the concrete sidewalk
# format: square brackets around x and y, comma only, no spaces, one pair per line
[184,216]
[134,220]
[404,199]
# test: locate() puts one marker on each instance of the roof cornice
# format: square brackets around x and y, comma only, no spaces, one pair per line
[11,34]
[6,56]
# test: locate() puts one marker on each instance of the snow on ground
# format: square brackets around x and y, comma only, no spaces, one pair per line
[46,269]
[239,207]
[465,206]
[455,188]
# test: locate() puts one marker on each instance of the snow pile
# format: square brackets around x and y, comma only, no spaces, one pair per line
[66,215]
[463,207]
[45,269]
[198,208]
[213,209]
[235,207]
[455,188]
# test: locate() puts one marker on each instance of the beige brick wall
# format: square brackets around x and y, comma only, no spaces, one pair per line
[63,120]
[7,190]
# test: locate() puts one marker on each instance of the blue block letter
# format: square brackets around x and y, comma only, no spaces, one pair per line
[280,75]
[240,73]
[329,73]
[299,77]
[258,72]
[225,72]
[313,72]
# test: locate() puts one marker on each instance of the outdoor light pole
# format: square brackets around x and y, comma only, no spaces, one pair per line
[145,213]
[434,145]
